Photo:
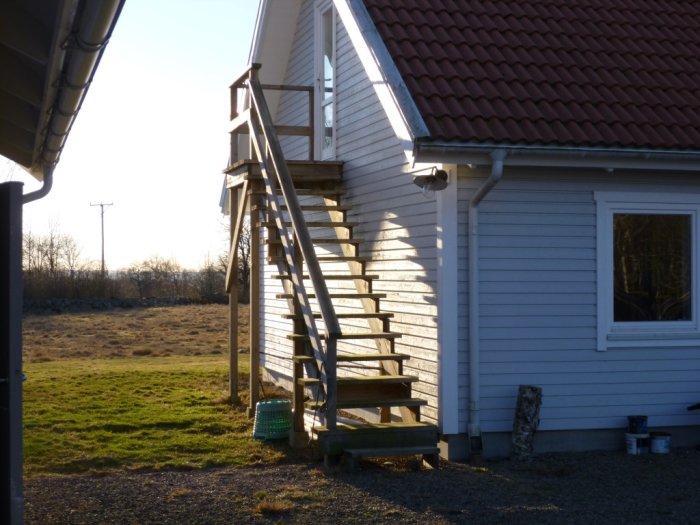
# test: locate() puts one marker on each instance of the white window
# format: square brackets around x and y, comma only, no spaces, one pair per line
[647,264]
[325,81]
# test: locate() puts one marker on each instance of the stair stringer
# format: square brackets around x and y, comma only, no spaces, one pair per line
[368,305]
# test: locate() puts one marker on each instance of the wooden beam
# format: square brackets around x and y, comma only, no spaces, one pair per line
[233,302]
[254,325]
[236,231]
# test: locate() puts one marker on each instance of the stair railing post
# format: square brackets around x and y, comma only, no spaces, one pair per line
[254,301]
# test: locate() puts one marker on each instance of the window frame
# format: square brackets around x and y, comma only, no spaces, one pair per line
[324,7]
[612,334]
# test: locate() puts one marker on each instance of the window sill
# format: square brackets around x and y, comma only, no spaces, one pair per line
[652,339]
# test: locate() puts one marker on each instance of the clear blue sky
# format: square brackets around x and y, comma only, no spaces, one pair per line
[152,136]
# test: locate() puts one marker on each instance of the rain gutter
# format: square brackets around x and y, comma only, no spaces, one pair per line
[82,51]
[559,156]
[45,188]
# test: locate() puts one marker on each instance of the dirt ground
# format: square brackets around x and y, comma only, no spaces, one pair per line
[592,488]
[585,488]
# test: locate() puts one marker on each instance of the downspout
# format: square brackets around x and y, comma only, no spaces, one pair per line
[474,425]
[45,188]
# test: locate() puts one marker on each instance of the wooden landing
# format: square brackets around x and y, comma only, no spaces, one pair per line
[302,171]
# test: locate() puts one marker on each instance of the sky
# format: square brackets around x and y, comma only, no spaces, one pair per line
[151,137]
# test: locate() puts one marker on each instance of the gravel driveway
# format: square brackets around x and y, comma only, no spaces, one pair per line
[589,488]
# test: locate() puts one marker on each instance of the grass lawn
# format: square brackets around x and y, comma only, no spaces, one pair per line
[101,415]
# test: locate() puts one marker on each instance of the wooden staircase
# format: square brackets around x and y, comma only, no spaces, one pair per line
[343,348]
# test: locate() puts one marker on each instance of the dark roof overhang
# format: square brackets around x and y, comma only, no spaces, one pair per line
[49,51]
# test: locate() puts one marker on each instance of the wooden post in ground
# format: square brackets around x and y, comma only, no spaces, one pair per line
[298,437]
[233,302]
[254,326]
[526,421]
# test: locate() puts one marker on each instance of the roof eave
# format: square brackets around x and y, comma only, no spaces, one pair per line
[382,71]
[526,155]
[71,68]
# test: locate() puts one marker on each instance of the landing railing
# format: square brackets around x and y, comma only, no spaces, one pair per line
[264,143]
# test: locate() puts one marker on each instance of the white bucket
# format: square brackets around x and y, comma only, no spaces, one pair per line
[660,443]
[637,444]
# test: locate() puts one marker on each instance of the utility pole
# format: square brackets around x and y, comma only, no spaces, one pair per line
[102,220]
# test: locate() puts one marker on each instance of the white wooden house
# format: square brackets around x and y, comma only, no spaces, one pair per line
[512,186]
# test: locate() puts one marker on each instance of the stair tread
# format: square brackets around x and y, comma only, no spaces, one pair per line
[359,357]
[363,315]
[308,191]
[351,335]
[333,277]
[391,451]
[341,258]
[314,224]
[379,427]
[368,380]
[372,403]
[321,207]
[325,240]
[331,258]
[339,296]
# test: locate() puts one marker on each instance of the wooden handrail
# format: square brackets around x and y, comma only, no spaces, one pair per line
[326,360]
[238,118]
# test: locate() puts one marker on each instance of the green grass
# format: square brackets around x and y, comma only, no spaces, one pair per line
[138,413]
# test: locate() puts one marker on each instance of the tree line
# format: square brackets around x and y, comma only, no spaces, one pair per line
[54,268]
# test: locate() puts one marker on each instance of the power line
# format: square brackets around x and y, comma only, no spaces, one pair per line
[102,220]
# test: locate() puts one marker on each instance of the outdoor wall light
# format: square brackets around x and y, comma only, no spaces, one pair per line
[435,180]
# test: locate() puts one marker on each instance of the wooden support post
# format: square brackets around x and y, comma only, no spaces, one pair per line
[233,302]
[254,326]
[526,421]
[299,437]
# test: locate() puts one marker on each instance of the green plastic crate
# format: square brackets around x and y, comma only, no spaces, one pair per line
[273,419]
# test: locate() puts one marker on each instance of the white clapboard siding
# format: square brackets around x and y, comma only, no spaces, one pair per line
[395,220]
[538,307]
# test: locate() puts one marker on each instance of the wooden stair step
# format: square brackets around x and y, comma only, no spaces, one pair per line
[325,240]
[313,224]
[346,404]
[321,192]
[357,436]
[376,356]
[362,380]
[338,296]
[363,315]
[321,207]
[334,277]
[302,171]
[343,258]
[350,335]
[328,259]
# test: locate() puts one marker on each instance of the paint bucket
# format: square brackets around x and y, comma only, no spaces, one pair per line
[637,444]
[637,424]
[660,443]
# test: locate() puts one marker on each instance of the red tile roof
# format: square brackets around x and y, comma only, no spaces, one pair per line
[593,73]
